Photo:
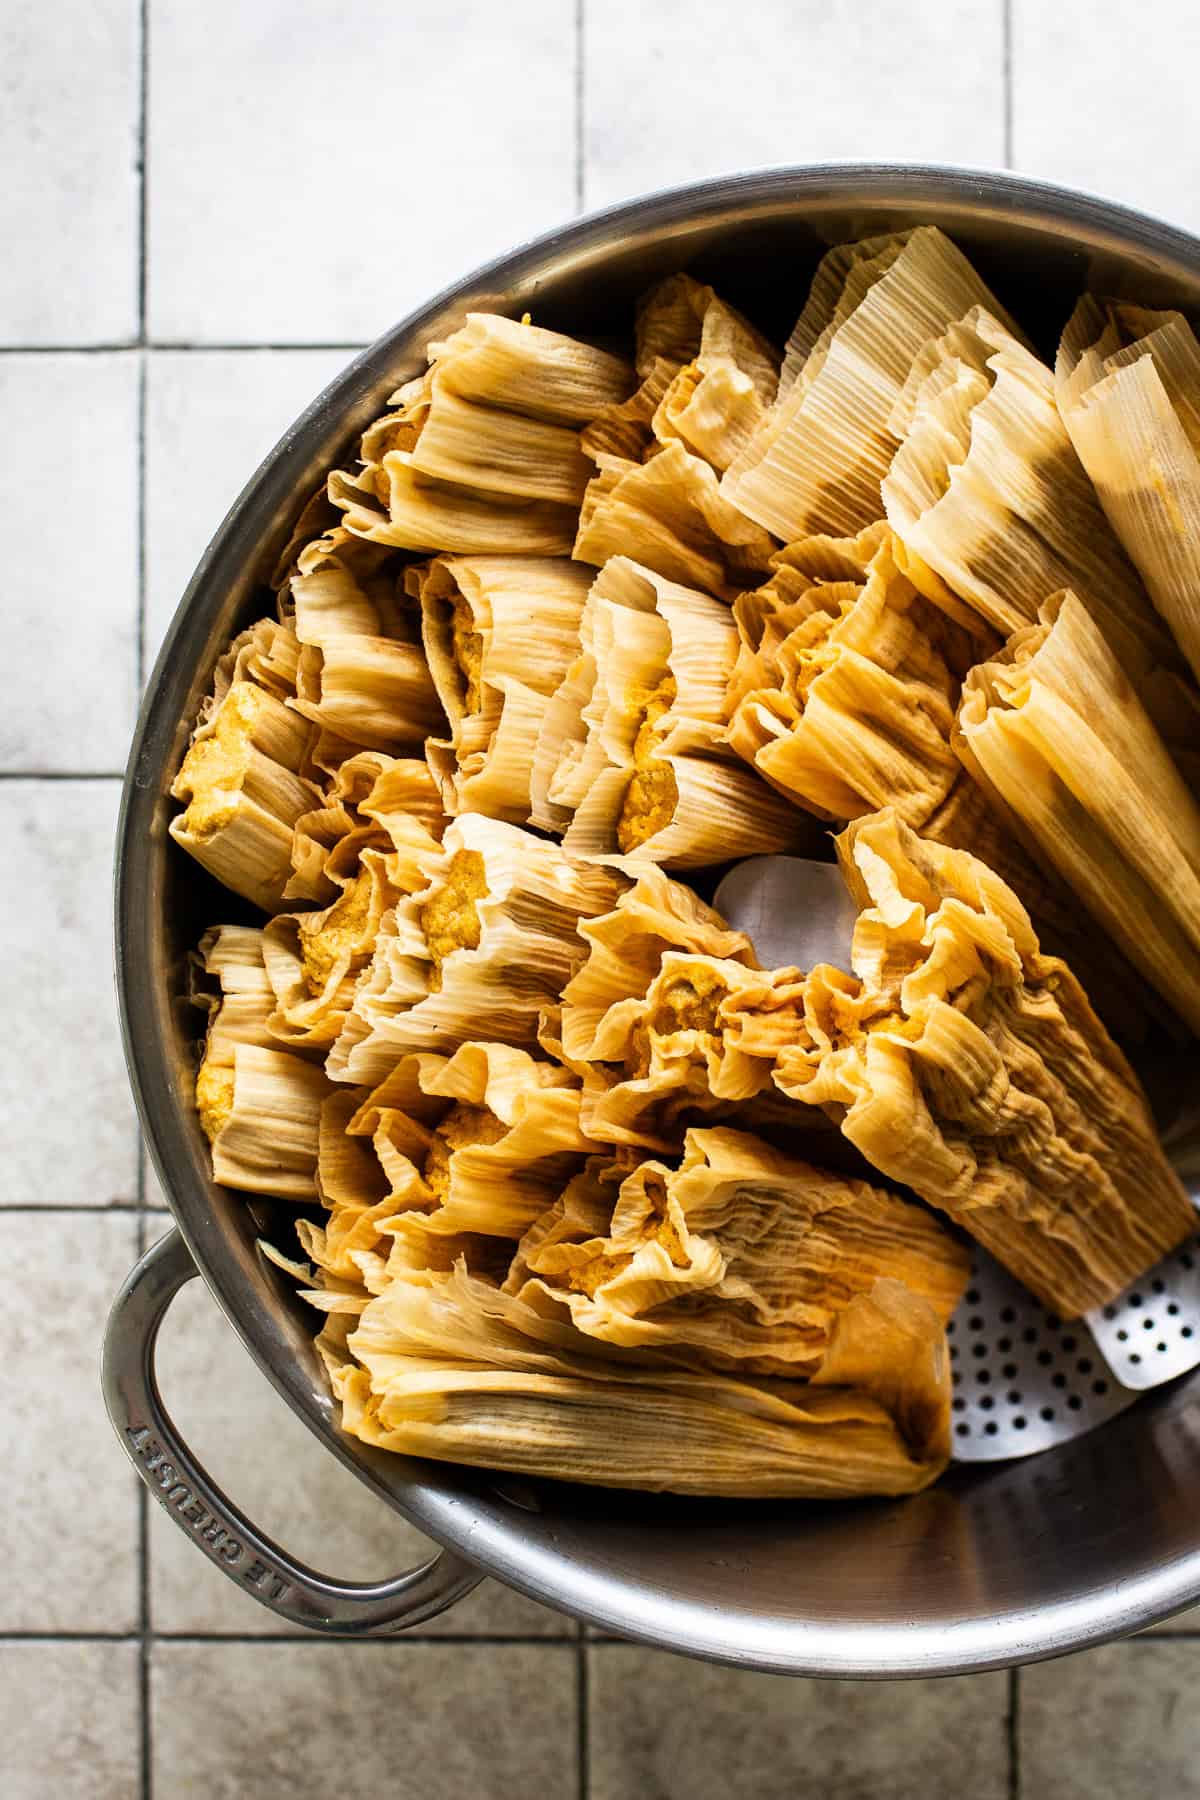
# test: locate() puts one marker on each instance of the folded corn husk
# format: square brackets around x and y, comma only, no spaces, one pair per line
[1128,384]
[488,942]
[817,460]
[740,1258]
[481,454]
[500,634]
[707,378]
[701,1040]
[1054,730]
[261,1115]
[669,514]
[240,777]
[361,675]
[844,697]
[447,1366]
[631,758]
[375,802]
[965,1064]
[476,1144]
[313,959]
[990,500]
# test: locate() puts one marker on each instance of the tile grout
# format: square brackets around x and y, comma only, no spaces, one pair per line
[1013,1724]
[184,346]
[583,1720]
[145,1744]
[500,1640]
[62,774]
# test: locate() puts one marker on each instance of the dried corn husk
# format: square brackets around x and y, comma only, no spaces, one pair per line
[962,1062]
[991,501]
[642,767]
[624,952]
[372,802]
[1055,731]
[488,942]
[500,633]
[524,368]
[447,1366]
[232,956]
[479,1143]
[1128,384]
[390,504]
[261,1116]
[846,701]
[669,514]
[243,793]
[740,1257]
[817,460]
[314,959]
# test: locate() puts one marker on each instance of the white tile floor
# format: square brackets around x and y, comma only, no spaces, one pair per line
[205,208]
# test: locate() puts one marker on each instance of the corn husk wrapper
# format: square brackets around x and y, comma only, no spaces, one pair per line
[1128,385]
[853,699]
[488,942]
[362,675]
[965,1064]
[816,462]
[707,378]
[373,802]
[740,1256]
[523,368]
[624,950]
[491,451]
[990,500]
[391,504]
[448,1367]
[500,634]
[480,1143]
[238,1010]
[642,769]
[701,1040]
[670,515]
[242,791]
[313,959]
[261,1117]
[1054,729]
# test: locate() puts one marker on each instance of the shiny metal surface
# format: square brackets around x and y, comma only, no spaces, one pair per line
[996,1565]
[227,1537]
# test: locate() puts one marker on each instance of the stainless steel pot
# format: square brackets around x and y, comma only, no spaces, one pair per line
[995,1566]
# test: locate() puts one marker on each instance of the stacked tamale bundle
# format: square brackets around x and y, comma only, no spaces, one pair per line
[587,1192]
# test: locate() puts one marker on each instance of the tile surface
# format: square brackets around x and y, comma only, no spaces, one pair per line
[71,569]
[69,145]
[65,1106]
[68,1721]
[689,88]
[1099,101]
[69,1495]
[211,417]
[1120,1721]
[294,1490]
[441,1721]
[663,1726]
[355,170]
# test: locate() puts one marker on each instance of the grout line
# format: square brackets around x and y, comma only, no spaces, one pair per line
[1014,1734]
[276,1637]
[144,1729]
[62,775]
[579,106]
[143,136]
[1007,18]
[583,1720]
[140,643]
[184,346]
[92,1212]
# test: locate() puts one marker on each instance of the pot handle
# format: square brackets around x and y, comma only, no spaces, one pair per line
[227,1537]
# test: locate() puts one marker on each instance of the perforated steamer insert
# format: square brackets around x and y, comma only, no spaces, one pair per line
[1024,1379]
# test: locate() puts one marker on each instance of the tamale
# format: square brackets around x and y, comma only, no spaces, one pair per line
[1054,729]
[817,460]
[738,1257]
[500,633]
[1128,384]
[990,500]
[967,1065]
